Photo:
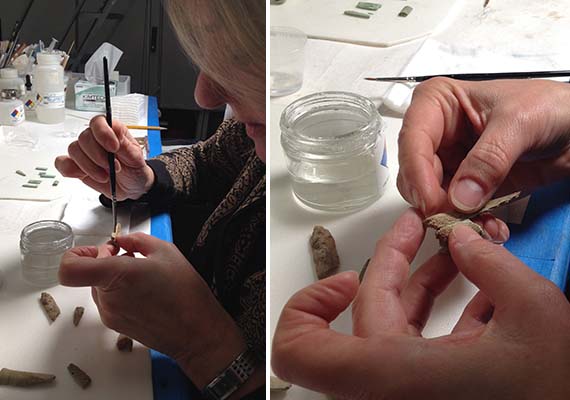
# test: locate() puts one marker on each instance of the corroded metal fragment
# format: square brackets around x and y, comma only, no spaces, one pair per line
[79,376]
[50,306]
[444,223]
[325,256]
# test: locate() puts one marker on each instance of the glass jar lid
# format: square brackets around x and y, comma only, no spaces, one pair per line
[329,125]
[46,237]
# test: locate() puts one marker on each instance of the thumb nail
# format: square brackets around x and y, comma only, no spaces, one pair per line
[462,234]
[467,195]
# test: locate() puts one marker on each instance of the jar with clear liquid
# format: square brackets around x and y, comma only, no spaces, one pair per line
[335,150]
[42,244]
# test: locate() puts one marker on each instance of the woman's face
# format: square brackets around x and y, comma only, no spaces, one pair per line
[210,95]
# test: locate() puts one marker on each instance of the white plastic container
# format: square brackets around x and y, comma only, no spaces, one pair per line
[50,88]
[9,80]
[11,109]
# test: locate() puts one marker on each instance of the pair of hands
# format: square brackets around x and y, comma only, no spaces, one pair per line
[460,144]
[510,343]
[160,301]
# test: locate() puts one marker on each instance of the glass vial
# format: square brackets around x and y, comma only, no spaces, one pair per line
[335,150]
[42,244]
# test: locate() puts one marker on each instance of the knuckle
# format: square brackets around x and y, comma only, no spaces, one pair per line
[73,148]
[491,161]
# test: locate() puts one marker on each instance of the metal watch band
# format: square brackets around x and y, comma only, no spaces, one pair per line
[230,379]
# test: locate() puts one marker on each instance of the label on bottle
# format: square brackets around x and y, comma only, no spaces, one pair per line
[30,103]
[17,115]
[51,100]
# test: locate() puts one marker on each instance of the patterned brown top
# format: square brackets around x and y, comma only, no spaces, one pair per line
[229,252]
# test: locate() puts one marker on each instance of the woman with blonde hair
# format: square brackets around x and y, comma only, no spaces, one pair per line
[205,310]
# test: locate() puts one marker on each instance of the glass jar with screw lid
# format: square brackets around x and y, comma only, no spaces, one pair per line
[335,150]
[42,244]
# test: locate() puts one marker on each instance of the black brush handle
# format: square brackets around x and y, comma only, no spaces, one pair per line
[109,117]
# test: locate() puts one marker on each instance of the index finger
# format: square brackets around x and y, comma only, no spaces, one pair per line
[419,139]
[378,307]
[109,139]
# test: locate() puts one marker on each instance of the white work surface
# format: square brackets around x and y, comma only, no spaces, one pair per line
[29,341]
[508,28]
[325,19]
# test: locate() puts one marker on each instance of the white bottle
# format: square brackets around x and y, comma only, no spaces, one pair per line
[50,88]
[11,109]
[9,79]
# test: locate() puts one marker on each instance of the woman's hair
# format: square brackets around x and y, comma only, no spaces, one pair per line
[226,40]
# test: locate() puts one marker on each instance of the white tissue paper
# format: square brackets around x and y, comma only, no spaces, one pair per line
[94,67]
[130,109]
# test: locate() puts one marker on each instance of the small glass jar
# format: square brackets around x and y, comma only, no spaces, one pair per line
[42,244]
[335,150]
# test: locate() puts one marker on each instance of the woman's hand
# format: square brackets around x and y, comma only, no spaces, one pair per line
[463,141]
[160,301]
[87,160]
[510,343]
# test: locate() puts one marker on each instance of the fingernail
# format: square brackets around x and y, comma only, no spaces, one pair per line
[462,234]
[493,229]
[467,195]
[504,233]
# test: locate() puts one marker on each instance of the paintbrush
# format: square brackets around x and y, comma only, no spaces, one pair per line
[110,156]
[148,128]
[477,77]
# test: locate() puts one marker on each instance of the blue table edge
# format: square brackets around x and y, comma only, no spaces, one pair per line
[168,380]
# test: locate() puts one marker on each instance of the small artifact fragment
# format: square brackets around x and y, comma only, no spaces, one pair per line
[405,11]
[363,271]
[34,182]
[444,223]
[365,5]
[124,343]
[116,232]
[55,183]
[356,14]
[324,252]
[50,306]
[20,173]
[80,377]
[41,169]
[278,385]
[10,377]
[30,186]
[46,176]
[77,315]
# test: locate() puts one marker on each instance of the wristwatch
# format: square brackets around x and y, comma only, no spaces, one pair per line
[230,379]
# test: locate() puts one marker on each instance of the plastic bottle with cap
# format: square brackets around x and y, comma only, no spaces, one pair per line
[9,80]
[50,88]
[11,109]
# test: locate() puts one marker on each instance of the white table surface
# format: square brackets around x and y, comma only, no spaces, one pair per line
[507,27]
[29,341]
